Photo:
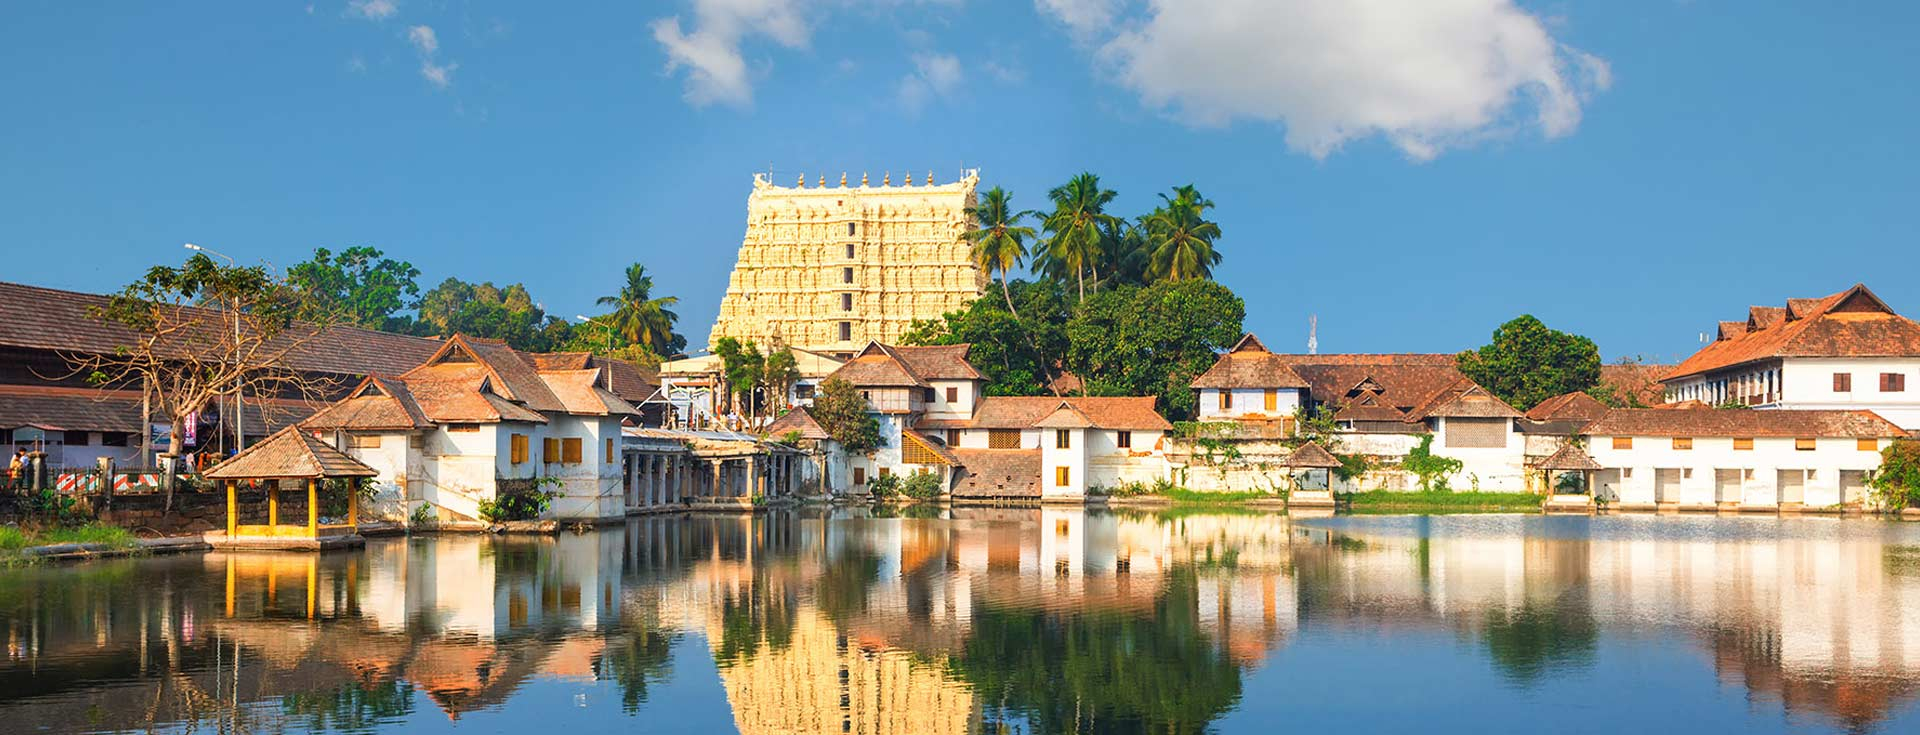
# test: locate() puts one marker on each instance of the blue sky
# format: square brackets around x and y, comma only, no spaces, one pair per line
[1414,173]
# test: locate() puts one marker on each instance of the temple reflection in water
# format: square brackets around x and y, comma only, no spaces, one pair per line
[969,620]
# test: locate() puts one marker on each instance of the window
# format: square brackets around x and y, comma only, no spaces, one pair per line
[549,450]
[1744,444]
[1892,382]
[607,456]
[1003,438]
[846,331]
[859,475]
[953,437]
[1273,400]
[929,395]
[846,302]
[846,275]
[463,428]
[1843,382]
[112,438]
[850,229]
[1062,439]
[1123,440]
[1683,442]
[75,438]
[1476,433]
[1804,445]
[363,441]
[803,391]
[1226,400]
[1060,476]
[953,394]
[849,251]
[570,450]
[517,448]
[884,471]
[1625,442]
[1867,445]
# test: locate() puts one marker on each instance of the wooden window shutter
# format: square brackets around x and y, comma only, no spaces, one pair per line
[859,475]
[1867,445]
[1061,475]
[953,437]
[1683,442]
[1273,400]
[1623,442]
[953,394]
[1805,444]
[1743,443]
[1123,439]
[608,456]
[1892,382]
[1062,439]
[518,448]
[570,450]
[1842,382]
[549,450]
[1003,438]
[1226,399]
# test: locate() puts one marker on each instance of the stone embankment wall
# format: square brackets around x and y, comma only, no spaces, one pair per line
[192,512]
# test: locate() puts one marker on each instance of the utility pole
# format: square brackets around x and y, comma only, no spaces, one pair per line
[239,382]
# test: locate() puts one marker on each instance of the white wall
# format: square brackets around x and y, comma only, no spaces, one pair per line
[1074,458]
[939,408]
[1248,402]
[1809,385]
[1107,465]
[1768,456]
[1499,470]
[390,459]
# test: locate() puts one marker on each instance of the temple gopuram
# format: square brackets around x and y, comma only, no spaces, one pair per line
[830,267]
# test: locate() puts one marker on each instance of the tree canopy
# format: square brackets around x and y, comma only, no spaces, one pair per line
[641,319]
[842,413]
[1527,363]
[362,286]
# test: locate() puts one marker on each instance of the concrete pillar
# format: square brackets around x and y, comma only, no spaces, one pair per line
[659,477]
[716,485]
[754,469]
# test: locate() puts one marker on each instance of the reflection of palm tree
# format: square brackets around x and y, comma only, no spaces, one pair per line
[1531,641]
[638,657]
[351,707]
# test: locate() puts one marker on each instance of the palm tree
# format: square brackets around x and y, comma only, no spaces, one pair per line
[999,242]
[1181,237]
[1077,226]
[639,317]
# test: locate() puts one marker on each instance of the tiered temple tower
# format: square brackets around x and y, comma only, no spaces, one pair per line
[827,268]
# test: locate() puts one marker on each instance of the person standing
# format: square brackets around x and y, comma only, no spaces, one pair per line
[17,470]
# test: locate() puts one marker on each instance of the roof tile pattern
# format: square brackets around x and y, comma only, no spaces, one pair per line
[290,453]
[1707,422]
[997,473]
[1851,323]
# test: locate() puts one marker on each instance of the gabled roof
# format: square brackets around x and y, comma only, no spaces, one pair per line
[450,394]
[376,404]
[945,456]
[937,362]
[1706,422]
[1312,456]
[1026,412]
[1249,365]
[1403,380]
[1065,416]
[1570,458]
[1368,407]
[878,366]
[514,376]
[997,473]
[1463,399]
[290,453]
[579,392]
[801,420]
[1851,323]
[1568,406]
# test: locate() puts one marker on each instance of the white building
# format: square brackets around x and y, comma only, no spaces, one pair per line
[1711,459]
[1848,350]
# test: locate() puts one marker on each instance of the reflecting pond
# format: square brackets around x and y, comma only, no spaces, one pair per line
[995,620]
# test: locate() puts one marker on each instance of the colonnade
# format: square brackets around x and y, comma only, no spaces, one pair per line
[663,480]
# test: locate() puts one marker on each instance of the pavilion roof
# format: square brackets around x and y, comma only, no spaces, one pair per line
[292,454]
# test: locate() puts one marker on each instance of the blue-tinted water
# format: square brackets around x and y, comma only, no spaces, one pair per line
[996,620]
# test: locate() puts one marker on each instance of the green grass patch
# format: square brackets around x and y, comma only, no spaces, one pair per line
[14,538]
[1443,501]
[1183,495]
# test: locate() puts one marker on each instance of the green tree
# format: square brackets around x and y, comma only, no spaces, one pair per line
[1527,363]
[1181,237]
[839,409]
[742,366]
[1432,469]
[1077,230]
[1152,341]
[484,310]
[778,372]
[1896,484]
[999,241]
[360,285]
[1128,255]
[1017,351]
[642,319]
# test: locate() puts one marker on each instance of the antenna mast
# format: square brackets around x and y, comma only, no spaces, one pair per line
[1313,334]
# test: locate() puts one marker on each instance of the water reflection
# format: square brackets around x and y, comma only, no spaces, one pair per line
[984,621]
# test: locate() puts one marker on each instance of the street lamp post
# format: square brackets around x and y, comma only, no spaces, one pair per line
[608,327]
[239,401]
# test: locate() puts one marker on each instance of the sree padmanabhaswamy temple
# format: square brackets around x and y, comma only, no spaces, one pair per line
[829,268]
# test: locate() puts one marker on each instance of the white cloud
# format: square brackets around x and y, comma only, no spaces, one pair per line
[934,75]
[371,9]
[1083,17]
[710,51]
[424,40]
[441,75]
[1427,75]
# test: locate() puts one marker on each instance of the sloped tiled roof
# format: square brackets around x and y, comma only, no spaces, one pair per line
[377,404]
[1463,399]
[1743,423]
[1570,458]
[52,319]
[937,362]
[580,393]
[1368,407]
[1249,365]
[876,366]
[1403,380]
[290,453]
[1026,412]
[1568,406]
[453,394]
[1636,381]
[1851,323]
[1312,456]
[801,420]
[997,473]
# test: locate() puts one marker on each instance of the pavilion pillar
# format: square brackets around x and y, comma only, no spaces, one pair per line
[633,481]
[716,485]
[273,502]
[313,507]
[752,484]
[353,502]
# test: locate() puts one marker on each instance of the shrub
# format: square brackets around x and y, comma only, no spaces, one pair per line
[516,506]
[921,486]
[884,487]
[1896,484]
[1432,469]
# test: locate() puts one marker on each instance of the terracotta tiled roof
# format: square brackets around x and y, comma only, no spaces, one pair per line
[1743,423]
[798,419]
[997,473]
[90,409]
[1026,412]
[1463,399]
[1403,381]
[630,382]
[876,366]
[465,398]
[377,404]
[1569,458]
[946,455]
[938,362]
[51,319]
[1568,406]
[1368,407]
[580,394]
[1065,416]
[1249,365]
[514,375]
[1637,381]
[1852,323]
[290,453]
[1312,456]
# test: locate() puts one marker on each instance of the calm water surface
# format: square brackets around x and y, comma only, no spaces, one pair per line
[996,621]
